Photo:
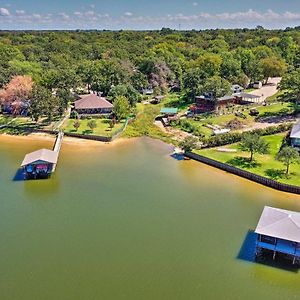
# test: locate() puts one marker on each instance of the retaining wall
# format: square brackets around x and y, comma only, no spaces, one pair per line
[245,174]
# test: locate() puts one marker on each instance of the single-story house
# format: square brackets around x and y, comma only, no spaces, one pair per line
[17,107]
[39,163]
[245,98]
[295,135]
[278,232]
[93,104]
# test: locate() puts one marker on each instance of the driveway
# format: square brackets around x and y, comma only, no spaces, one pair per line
[267,90]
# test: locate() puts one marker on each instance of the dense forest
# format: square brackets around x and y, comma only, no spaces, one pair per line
[125,62]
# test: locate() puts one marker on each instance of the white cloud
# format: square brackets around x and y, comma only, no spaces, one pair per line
[4,12]
[195,3]
[20,12]
[37,16]
[64,16]
[90,18]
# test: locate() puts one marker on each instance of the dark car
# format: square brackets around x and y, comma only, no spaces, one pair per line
[254,112]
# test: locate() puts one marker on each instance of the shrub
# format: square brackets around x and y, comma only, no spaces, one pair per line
[74,115]
[234,137]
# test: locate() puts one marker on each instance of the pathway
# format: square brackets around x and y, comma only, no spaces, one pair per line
[268,90]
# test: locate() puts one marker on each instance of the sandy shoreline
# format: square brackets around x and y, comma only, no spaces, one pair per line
[67,140]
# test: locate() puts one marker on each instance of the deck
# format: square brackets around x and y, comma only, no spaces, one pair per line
[57,146]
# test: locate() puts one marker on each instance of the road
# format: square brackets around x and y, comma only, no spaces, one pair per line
[268,90]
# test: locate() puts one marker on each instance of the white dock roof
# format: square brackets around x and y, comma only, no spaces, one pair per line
[45,155]
[279,223]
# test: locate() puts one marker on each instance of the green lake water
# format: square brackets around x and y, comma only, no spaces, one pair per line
[130,222]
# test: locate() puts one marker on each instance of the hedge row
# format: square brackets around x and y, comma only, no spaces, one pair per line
[234,137]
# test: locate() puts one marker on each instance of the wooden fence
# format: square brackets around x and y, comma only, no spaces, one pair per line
[245,174]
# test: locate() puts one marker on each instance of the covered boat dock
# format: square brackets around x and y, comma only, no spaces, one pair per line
[42,163]
[39,163]
[278,231]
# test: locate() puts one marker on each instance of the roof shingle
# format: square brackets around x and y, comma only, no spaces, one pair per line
[92,101]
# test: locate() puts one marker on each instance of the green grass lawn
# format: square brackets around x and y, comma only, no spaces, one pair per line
[264,165]
[275,97]
[175,100]
[143,125]
[5,119]
[276,108]
[19,125]
[102,129]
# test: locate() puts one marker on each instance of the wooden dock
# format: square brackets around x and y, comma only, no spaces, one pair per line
[57,146]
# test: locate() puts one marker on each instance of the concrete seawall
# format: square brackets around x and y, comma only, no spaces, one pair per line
[245,174]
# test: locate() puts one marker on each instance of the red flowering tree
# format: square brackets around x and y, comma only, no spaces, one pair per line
[16,92]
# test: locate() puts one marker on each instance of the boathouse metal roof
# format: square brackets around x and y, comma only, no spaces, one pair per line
[92,101]
[169,110]
[295,134]
[44,155]
[279,223]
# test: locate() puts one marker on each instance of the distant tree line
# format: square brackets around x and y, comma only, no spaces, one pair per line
[123,63]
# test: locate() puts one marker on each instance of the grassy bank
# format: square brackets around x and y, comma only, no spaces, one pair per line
[102,127]
[264,165]
[144,125]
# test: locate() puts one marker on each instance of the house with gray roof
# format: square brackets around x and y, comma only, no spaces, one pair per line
[278,232]
[295,135]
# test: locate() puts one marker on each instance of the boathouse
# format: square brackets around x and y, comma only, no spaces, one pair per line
[278,232]
[40,163]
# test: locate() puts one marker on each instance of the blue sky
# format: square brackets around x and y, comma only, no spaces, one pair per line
[147,14]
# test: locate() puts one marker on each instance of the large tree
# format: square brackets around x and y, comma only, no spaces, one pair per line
[18,89]
[272,67]
[218,86]
[253,143]
[121,108]
[16,93]
[125,90]
[291,84]
[288,155]
[43,103]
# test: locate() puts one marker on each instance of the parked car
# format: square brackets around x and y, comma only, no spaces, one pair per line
[257,85]
[254,112]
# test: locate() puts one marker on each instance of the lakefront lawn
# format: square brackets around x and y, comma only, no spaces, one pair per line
[265,165]
[102,127]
